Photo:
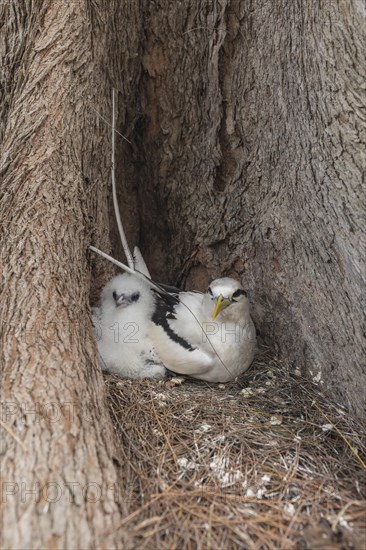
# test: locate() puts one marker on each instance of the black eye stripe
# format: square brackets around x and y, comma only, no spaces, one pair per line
[126,299]
[239,292]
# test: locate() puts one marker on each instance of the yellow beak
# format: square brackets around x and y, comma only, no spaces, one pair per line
[221,303]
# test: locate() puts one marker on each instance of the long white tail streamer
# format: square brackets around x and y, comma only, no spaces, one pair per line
[122,234]
[130,259]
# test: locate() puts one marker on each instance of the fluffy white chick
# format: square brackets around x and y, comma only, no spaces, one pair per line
[122,323]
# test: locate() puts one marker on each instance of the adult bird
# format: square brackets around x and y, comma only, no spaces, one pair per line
[122,325]
[209,336]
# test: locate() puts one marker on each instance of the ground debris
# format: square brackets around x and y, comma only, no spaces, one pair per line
[206,465]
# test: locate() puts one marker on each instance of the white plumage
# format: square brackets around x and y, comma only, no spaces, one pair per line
[122,325]
[209,336]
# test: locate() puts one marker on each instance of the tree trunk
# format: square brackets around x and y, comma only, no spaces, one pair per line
[244,158]
[250,162]
[59,457]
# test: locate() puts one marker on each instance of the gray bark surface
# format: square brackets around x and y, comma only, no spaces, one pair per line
[251,162]
[59,458]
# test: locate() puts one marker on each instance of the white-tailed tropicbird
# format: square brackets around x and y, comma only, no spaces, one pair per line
[209,336]
[122,325]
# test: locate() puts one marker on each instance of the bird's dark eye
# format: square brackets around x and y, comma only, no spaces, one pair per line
[114,296]
[135,296]
[239,292]
[209,291]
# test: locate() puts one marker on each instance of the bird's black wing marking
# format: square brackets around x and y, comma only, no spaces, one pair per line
[164,310]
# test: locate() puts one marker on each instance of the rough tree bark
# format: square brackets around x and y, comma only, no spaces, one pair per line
[246,123]
[250,163]
[59,460]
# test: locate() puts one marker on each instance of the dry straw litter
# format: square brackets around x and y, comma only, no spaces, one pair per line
[263,463]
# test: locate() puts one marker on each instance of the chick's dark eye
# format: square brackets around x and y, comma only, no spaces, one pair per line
[239,292]
[114,296]
[135,296]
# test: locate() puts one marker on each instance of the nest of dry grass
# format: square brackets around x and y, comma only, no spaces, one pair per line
[253,464]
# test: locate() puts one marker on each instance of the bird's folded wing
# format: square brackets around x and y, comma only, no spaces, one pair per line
[180,317]
[177,354]
[177,334]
